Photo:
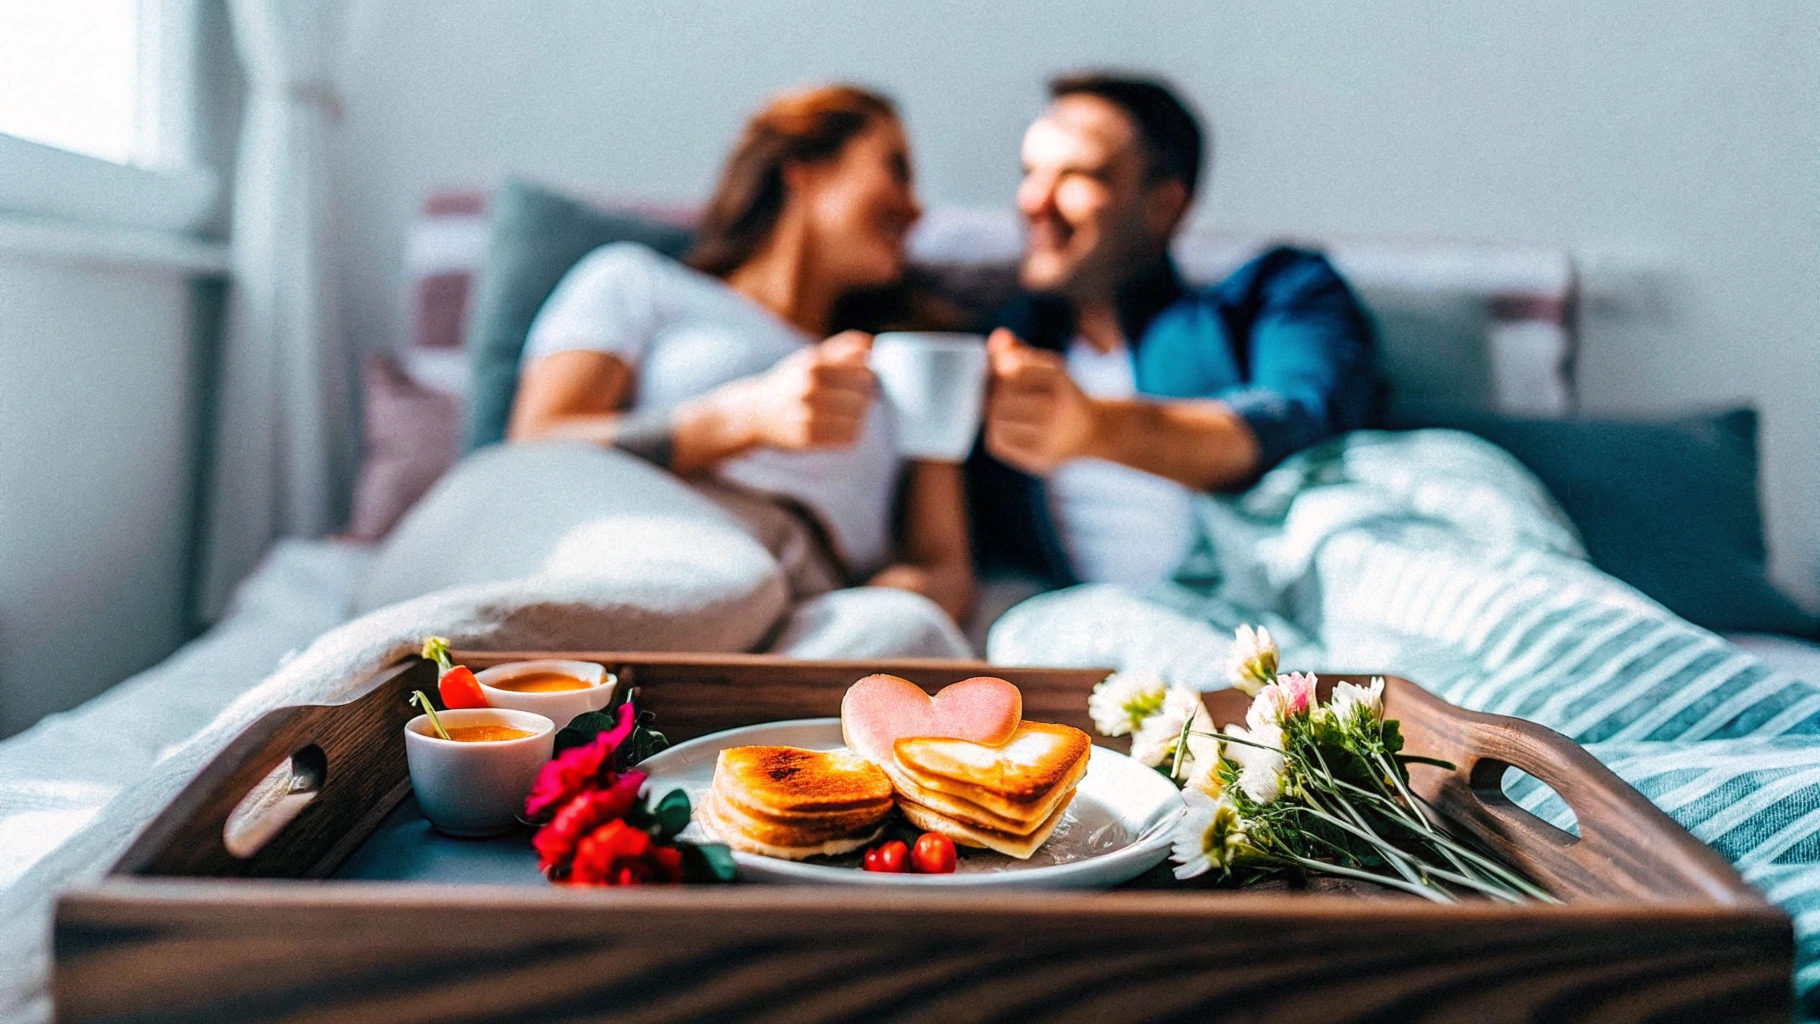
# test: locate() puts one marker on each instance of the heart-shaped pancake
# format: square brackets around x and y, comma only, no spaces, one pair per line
[881,709]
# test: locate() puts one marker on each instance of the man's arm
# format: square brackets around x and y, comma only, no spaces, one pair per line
[1039,418]
[1311,350]
[1312,375]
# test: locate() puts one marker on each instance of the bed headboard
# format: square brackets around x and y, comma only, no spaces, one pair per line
[1466,326]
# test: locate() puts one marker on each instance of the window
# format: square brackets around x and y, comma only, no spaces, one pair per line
[69,75]
[95,113]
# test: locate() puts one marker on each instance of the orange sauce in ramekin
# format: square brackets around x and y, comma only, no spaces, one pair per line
[485,733]
[541,682]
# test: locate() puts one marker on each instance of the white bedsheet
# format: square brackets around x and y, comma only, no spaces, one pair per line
[57,776]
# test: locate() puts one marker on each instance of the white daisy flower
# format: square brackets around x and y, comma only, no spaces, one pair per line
[1260,767]
[1260,783]
[1122,700]
[1155,740]
[1254,660]
[1205,778]
[1267,709]
[1210,835]
[1252,743]
[1349,698]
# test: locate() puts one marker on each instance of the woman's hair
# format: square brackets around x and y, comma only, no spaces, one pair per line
[797,127]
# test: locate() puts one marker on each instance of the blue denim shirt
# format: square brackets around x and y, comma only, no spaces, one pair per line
[1283,341]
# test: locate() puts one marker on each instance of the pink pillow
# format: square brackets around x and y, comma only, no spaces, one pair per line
[413,436]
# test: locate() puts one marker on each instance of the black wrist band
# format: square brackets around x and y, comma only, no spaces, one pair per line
[646,435]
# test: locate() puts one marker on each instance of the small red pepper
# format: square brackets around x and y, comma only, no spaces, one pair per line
[934,854]
[891,858]
[457,684]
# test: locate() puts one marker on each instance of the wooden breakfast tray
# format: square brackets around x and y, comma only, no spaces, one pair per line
[1655,926]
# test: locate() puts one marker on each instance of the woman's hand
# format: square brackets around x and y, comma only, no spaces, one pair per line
[814,399]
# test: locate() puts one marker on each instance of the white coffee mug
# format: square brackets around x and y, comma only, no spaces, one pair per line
[935,386]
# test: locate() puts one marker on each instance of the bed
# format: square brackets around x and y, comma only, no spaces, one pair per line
[1478,338]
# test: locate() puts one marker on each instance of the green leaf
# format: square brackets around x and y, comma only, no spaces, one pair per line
[708,862]
[1419,759]
[643,742]
[672,814]
[582,729]
[1393,735]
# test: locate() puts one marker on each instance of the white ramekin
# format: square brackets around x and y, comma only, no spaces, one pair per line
[476,789]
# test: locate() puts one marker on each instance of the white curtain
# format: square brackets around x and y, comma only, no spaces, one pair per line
[281,445]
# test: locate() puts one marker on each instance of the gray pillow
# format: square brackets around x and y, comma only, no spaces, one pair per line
[534,236]
[598,532]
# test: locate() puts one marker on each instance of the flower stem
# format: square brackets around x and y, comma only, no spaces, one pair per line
[1495,873]
[418,698]
[1181,750]
[1424,891]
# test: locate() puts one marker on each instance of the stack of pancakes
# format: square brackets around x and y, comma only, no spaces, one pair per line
[793,803]
[1007,798]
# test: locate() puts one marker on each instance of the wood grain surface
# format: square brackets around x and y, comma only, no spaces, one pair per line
[269,952]
[1656,927]
[362,746]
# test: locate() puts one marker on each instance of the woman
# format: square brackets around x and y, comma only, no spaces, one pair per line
[718,370]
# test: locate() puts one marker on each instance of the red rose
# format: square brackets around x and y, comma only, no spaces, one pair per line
[589,810]
[618,854]
[579,769]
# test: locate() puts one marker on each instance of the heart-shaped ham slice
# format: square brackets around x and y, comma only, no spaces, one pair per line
[880,709]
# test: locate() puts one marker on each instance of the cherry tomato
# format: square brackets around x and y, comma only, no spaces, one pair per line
[893,858]
[460,689]
[934,854]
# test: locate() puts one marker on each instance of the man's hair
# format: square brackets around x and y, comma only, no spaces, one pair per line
[1167,130]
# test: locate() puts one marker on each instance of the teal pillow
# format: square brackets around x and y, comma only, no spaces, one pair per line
[534,236]
[1669,507]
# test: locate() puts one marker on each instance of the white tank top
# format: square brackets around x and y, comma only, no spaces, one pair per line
[1117,524]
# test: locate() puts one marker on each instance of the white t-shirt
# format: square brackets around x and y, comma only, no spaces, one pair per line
[686,333]
[1118,524]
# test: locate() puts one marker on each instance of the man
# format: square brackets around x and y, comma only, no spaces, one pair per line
[1117,391]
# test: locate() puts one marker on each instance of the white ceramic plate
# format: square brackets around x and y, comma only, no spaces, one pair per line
[1116,829]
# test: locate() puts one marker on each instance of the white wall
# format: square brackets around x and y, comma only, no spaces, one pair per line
[1675,144]
[96,476]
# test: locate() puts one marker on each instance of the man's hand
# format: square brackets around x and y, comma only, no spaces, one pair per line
[814,399]
[1036,416]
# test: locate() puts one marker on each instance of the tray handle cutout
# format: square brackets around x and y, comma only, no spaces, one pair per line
[1491,780]
[1626,849]
[271,804]
[294,793]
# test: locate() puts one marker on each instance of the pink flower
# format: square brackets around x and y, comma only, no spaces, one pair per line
[1298,692]
[579,769]
[580,817]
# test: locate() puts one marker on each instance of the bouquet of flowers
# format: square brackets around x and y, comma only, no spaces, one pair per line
[1303,787]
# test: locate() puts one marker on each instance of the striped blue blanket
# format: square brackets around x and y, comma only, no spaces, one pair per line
[1435,556]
